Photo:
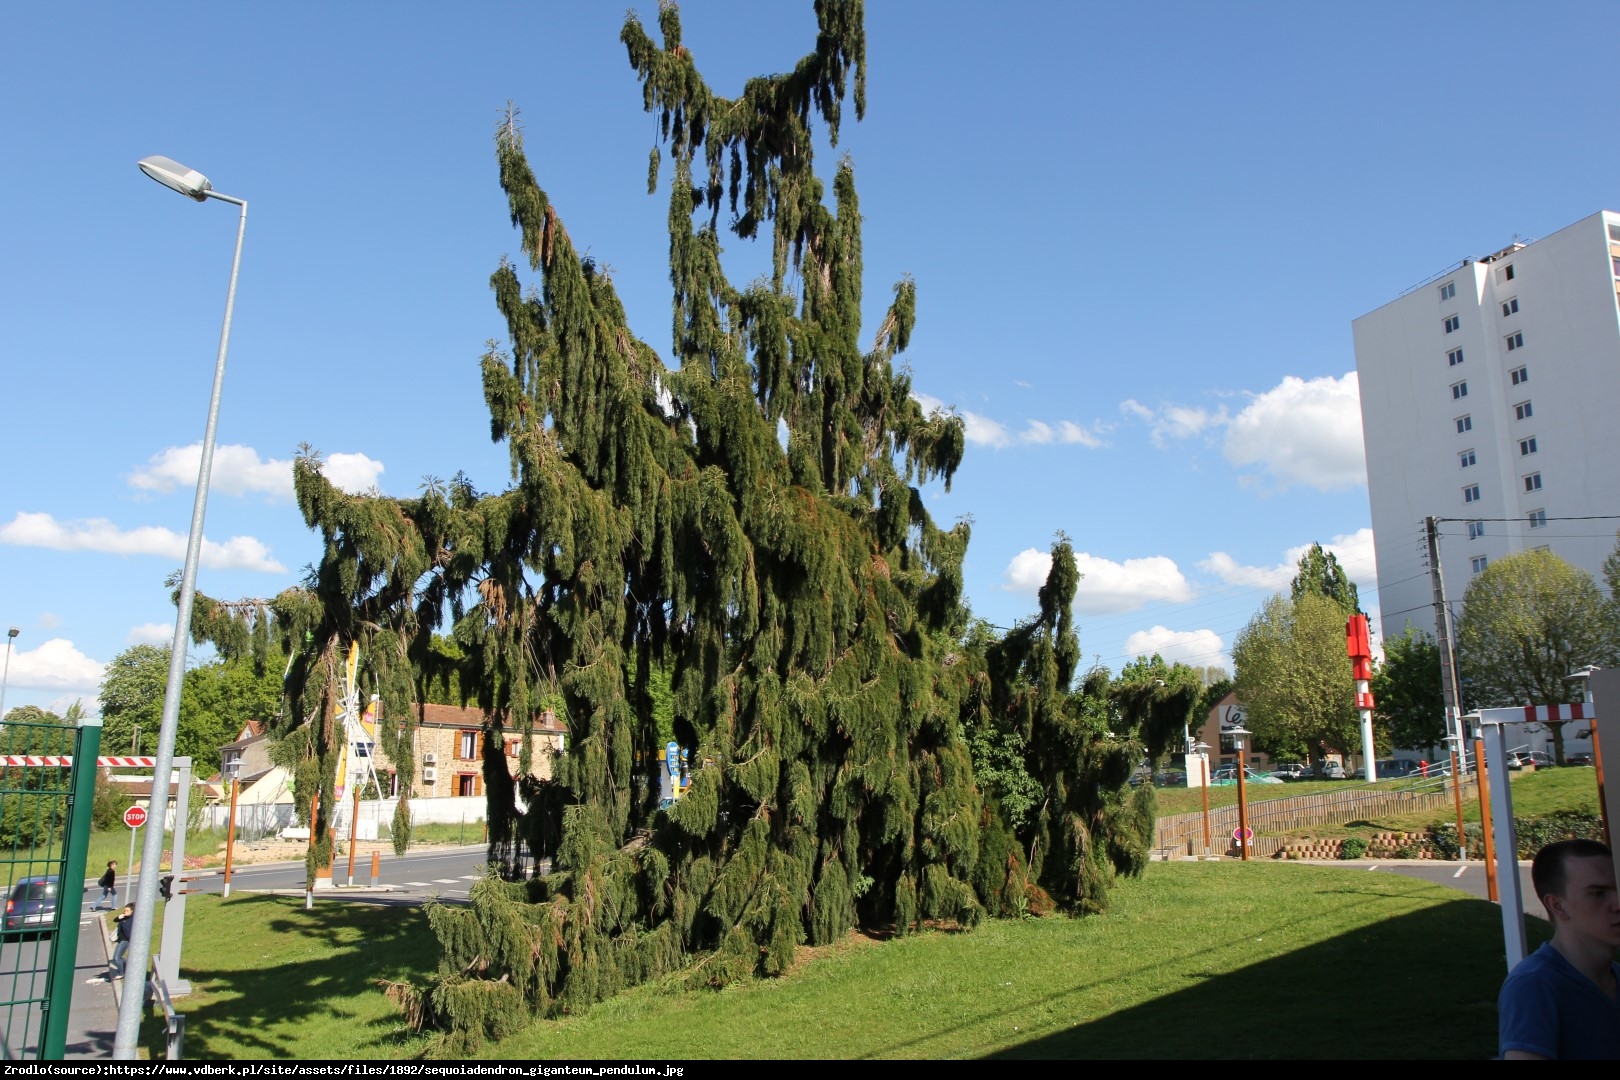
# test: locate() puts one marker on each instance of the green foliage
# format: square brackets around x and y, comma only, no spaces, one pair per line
[1410,706]
[1354,847]
[132,696]
[110,802]
[33,801]
[1294,678]
[1528,620]
[1320,574]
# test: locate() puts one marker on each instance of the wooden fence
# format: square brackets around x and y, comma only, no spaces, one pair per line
[1185,832]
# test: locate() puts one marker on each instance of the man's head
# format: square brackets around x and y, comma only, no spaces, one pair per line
[1575,881]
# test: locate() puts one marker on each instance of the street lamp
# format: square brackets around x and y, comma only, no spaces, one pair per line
[1585,675]
[11,636]
[1202,750]
[1238,733]
[194,185]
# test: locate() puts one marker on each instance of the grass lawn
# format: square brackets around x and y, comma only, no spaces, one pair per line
[1194,961]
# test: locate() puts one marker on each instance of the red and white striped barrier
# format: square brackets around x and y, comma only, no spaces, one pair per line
[1540,714]
[63,761]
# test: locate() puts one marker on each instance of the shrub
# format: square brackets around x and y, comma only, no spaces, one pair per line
[1354,848]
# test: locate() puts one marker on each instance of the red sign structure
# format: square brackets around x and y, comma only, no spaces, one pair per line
[135,817]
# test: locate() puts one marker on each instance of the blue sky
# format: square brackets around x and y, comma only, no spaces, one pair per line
[1139,235]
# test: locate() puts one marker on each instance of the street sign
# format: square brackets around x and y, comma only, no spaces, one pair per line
[1242,835]
[135,817]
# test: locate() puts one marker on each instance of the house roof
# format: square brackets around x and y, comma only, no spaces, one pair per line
[458,717]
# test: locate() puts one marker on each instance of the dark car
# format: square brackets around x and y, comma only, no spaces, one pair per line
[31,905]
[1578,759]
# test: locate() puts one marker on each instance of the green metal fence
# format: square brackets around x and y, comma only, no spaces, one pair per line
[47,788]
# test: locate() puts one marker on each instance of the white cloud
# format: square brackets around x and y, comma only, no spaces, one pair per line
[151,633]
[55,665]
[1306,433]
[1170,422]
[48,621]
[238,470]
[1105,586]
[1197,648]
[987,432]
[99,534]
[1353,550]
[354,473]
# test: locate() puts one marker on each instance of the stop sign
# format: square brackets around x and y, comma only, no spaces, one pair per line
[135,817]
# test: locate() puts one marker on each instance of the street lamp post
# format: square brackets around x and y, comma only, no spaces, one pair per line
[194,185]
[1202,750]
[11,636]
[1238,733]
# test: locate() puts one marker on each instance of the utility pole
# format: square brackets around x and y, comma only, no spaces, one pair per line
[1442,632]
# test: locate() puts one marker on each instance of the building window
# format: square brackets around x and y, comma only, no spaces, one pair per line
[1538,519]
[1515,341]
[1523,411]
[1507,273]
[1532,482]
[1453,322]
[466,784]
[1519,375]
[1614,232]
[1476,529]
[1449,289]
[1465,423]
[1459,389]
[1478,563]
[1471,493]
[1466,458]
[1510,307]
[1614,260]
[467,745]
[1527,446]
[1454,357]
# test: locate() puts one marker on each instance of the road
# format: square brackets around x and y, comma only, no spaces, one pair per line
[446,873]
[1469,877]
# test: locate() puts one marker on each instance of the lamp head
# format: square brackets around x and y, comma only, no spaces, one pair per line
[171,174]
[13,632]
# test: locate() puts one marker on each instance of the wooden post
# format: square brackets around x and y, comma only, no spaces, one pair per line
[376,867]
[1485,821]
[1243,803]
[1597,763]
[230,833]
[354,823]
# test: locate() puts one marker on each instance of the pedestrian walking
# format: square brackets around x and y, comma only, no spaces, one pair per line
[109,887]
[124,921]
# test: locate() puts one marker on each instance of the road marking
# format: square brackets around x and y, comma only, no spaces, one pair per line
[444,881]
[1373,867]
[1459,872]
[416,884]
[470,877]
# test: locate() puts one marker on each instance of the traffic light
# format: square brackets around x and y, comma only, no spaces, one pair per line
[166,886]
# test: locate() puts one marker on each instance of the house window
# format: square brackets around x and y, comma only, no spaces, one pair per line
[1532,482]
[1454,357]
[513,747]
[1519,375]
[1510,307]
[392,786]
[1465,423]
[1452,322]
[1538,519]
[1466,458]
[1471,493]
[467,784]
[1476,529]
[1614,261]
[1522,411]
[1527,446]
[1478,563]
[467,745]
[1449,289]
[1507,273]
[1459,390]
[1515,341]
[1614,232]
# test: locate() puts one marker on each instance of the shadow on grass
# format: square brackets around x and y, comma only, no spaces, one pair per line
[294,972]
[1415,985]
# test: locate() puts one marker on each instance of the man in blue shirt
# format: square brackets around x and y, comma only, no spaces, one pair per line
[1563,1000]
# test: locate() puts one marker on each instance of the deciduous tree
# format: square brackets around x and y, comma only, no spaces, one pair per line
[1294,678]
[1410,705]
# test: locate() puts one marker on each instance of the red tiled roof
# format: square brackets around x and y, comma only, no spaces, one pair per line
[457,717]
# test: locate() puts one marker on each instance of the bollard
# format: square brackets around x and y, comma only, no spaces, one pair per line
[376,861]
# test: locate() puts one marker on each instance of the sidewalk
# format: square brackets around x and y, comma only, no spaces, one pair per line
[93,1015]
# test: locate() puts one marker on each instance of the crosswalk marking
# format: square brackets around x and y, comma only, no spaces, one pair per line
[469,877]
[444,881]
[416,884]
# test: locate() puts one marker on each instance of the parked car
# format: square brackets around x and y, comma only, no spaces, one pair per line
[1330,770]
[1291,770]
[1227,774]
[1578,759]
[31,905]
[1541,759]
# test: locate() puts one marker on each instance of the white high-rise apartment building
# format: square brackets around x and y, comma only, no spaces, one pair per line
[1490,398]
